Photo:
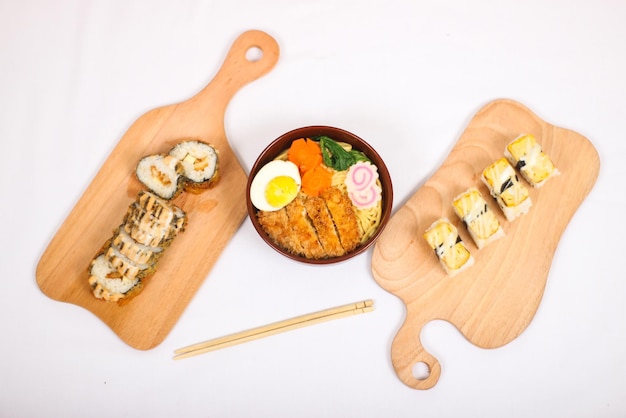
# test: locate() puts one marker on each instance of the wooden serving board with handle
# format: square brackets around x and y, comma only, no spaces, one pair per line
[213,216]
[493,301]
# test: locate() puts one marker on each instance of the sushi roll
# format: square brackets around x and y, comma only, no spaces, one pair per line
[161,174]
[152,221]
[108,284]
[131,255]
[200,164]
[132,250]
[452,253]
[127,267]
[504,185]
[525,154]
[481,222]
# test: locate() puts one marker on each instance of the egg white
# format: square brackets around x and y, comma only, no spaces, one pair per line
[265,175]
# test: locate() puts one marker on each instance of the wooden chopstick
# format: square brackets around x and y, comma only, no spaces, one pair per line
[275,328]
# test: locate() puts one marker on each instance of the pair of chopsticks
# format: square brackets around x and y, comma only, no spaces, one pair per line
[275,328]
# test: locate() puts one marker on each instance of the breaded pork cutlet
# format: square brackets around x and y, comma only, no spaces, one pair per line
[276,225]
[300,226]
[314,227]
[323,223]
[346,223]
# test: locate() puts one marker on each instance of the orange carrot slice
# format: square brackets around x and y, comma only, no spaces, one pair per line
[316,180]
[305,153]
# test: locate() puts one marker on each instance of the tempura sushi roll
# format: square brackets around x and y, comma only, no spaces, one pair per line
[525,154]
[452,253]
[152,221]
[134,251]
[130,256]
[200,164]
[481,222]
[504,185]
[107,283]
[127,267]
[161,174]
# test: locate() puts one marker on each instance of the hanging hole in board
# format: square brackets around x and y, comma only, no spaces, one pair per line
[420,370]
[254,54]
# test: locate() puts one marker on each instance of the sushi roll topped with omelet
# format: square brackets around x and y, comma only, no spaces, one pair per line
[452,253]
[481,222]
[525,154]
[504,185]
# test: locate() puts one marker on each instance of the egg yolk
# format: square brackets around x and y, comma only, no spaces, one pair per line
[280,191]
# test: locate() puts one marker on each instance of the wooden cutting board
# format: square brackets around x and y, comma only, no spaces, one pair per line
[493,301]
[213,217]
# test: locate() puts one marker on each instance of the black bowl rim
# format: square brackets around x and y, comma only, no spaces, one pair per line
[337,134]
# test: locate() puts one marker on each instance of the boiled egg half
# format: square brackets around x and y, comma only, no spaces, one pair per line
[275,185]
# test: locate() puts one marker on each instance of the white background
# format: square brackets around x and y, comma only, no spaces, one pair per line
[407,76]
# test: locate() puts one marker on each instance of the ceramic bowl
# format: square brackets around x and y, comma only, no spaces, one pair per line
[282,143]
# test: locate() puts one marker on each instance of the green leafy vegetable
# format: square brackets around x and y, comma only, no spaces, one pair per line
[335,156]
[359,156]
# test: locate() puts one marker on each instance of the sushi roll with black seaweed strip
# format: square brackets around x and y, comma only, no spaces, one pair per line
[525,154]
[481,222]
[161,174]
[504,185]
[444,239]
[200,164]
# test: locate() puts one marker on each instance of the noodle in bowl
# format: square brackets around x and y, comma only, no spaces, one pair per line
[370,192]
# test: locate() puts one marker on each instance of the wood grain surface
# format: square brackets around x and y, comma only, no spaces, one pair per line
[213,217]
[493,301]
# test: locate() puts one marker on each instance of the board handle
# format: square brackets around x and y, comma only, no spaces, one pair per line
[415,366]
[253,54]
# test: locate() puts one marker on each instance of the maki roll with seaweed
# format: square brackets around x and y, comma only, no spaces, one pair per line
[200,164]
[161,174]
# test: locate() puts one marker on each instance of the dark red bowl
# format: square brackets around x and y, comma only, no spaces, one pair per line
[282,143]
